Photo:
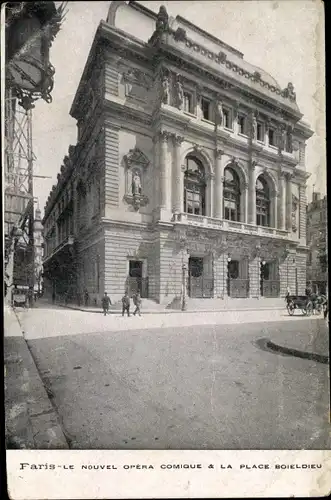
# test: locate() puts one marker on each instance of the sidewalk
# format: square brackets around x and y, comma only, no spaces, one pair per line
[31,421]
[313,345]
[195,305]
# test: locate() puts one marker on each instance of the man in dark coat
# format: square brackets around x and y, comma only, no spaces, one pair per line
[126,304]
[137,303]
[106,302]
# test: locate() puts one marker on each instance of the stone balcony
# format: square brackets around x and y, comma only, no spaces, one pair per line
[230,226]
[65,244]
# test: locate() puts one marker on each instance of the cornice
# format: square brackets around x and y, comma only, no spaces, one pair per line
[147,226]
[182,60]
[122,110]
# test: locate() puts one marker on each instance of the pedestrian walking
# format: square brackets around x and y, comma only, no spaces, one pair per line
[137,303]
[126,304]
[106,302]
[86,297]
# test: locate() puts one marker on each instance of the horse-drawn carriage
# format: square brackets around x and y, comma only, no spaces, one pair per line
[307,304]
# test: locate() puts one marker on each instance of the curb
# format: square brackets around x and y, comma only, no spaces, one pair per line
[38,413]
[320,358]
[175,311]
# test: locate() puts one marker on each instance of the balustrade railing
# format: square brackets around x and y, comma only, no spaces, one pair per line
[243,227]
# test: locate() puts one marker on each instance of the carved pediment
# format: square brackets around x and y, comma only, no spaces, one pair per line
[136,157]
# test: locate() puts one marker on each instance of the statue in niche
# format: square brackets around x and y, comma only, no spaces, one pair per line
[162,21]
[294,213]
[219,112]
[165,90]
[179,94]
[254,126]
[136,183]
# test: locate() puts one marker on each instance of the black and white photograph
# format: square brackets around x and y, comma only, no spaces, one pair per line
[165,247]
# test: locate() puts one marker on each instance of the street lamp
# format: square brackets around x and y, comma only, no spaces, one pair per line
[184,305]
[30,29]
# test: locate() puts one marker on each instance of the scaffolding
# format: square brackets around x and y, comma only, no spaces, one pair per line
[19,206]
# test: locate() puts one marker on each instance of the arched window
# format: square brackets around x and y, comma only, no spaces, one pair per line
[262,203]
[231,195]
[194,187]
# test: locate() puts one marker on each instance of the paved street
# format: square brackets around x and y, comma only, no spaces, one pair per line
[130,384]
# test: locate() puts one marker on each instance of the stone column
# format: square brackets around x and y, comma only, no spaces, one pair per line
[252,194]
[179,177]
[163,171]
[274,204]
[282,202]
[289,202]
[209,195]
[218,185]
[245,204]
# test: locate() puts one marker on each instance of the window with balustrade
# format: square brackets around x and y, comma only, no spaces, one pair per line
[194,187]
[231,195]
[262,202]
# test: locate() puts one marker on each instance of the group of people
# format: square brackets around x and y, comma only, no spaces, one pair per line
[126,303]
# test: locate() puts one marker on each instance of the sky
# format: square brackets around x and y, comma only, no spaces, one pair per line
[285,38]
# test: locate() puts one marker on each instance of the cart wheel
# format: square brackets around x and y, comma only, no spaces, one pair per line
[290,308]
[309,308]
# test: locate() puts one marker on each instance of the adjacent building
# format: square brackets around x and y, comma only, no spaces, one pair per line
[317,270]
[189,171]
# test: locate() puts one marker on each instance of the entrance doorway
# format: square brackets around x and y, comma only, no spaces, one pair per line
[269,284]
[136,281]
[200,286]
[136,268]
[237,280]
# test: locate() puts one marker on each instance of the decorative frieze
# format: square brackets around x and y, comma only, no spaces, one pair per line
[222,59]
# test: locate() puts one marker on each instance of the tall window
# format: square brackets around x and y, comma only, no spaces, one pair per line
[188,102]
[227,118]
[231,195]
[272,137]
[262,203]
[206,108]
[241,124]
[260,132]
[194,187]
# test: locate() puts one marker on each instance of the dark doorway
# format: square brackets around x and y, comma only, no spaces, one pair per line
[199,286]
[135,269]
[195,265]
[269,281]
[136,282]
[238,282]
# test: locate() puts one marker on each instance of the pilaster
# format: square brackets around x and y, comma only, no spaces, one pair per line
[252,193]
[218,185]
[178,205]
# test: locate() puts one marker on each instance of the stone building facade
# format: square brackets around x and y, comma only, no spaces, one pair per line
[317,267]
[188,173]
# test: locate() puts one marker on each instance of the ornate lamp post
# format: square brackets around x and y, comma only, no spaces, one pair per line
[30,30]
